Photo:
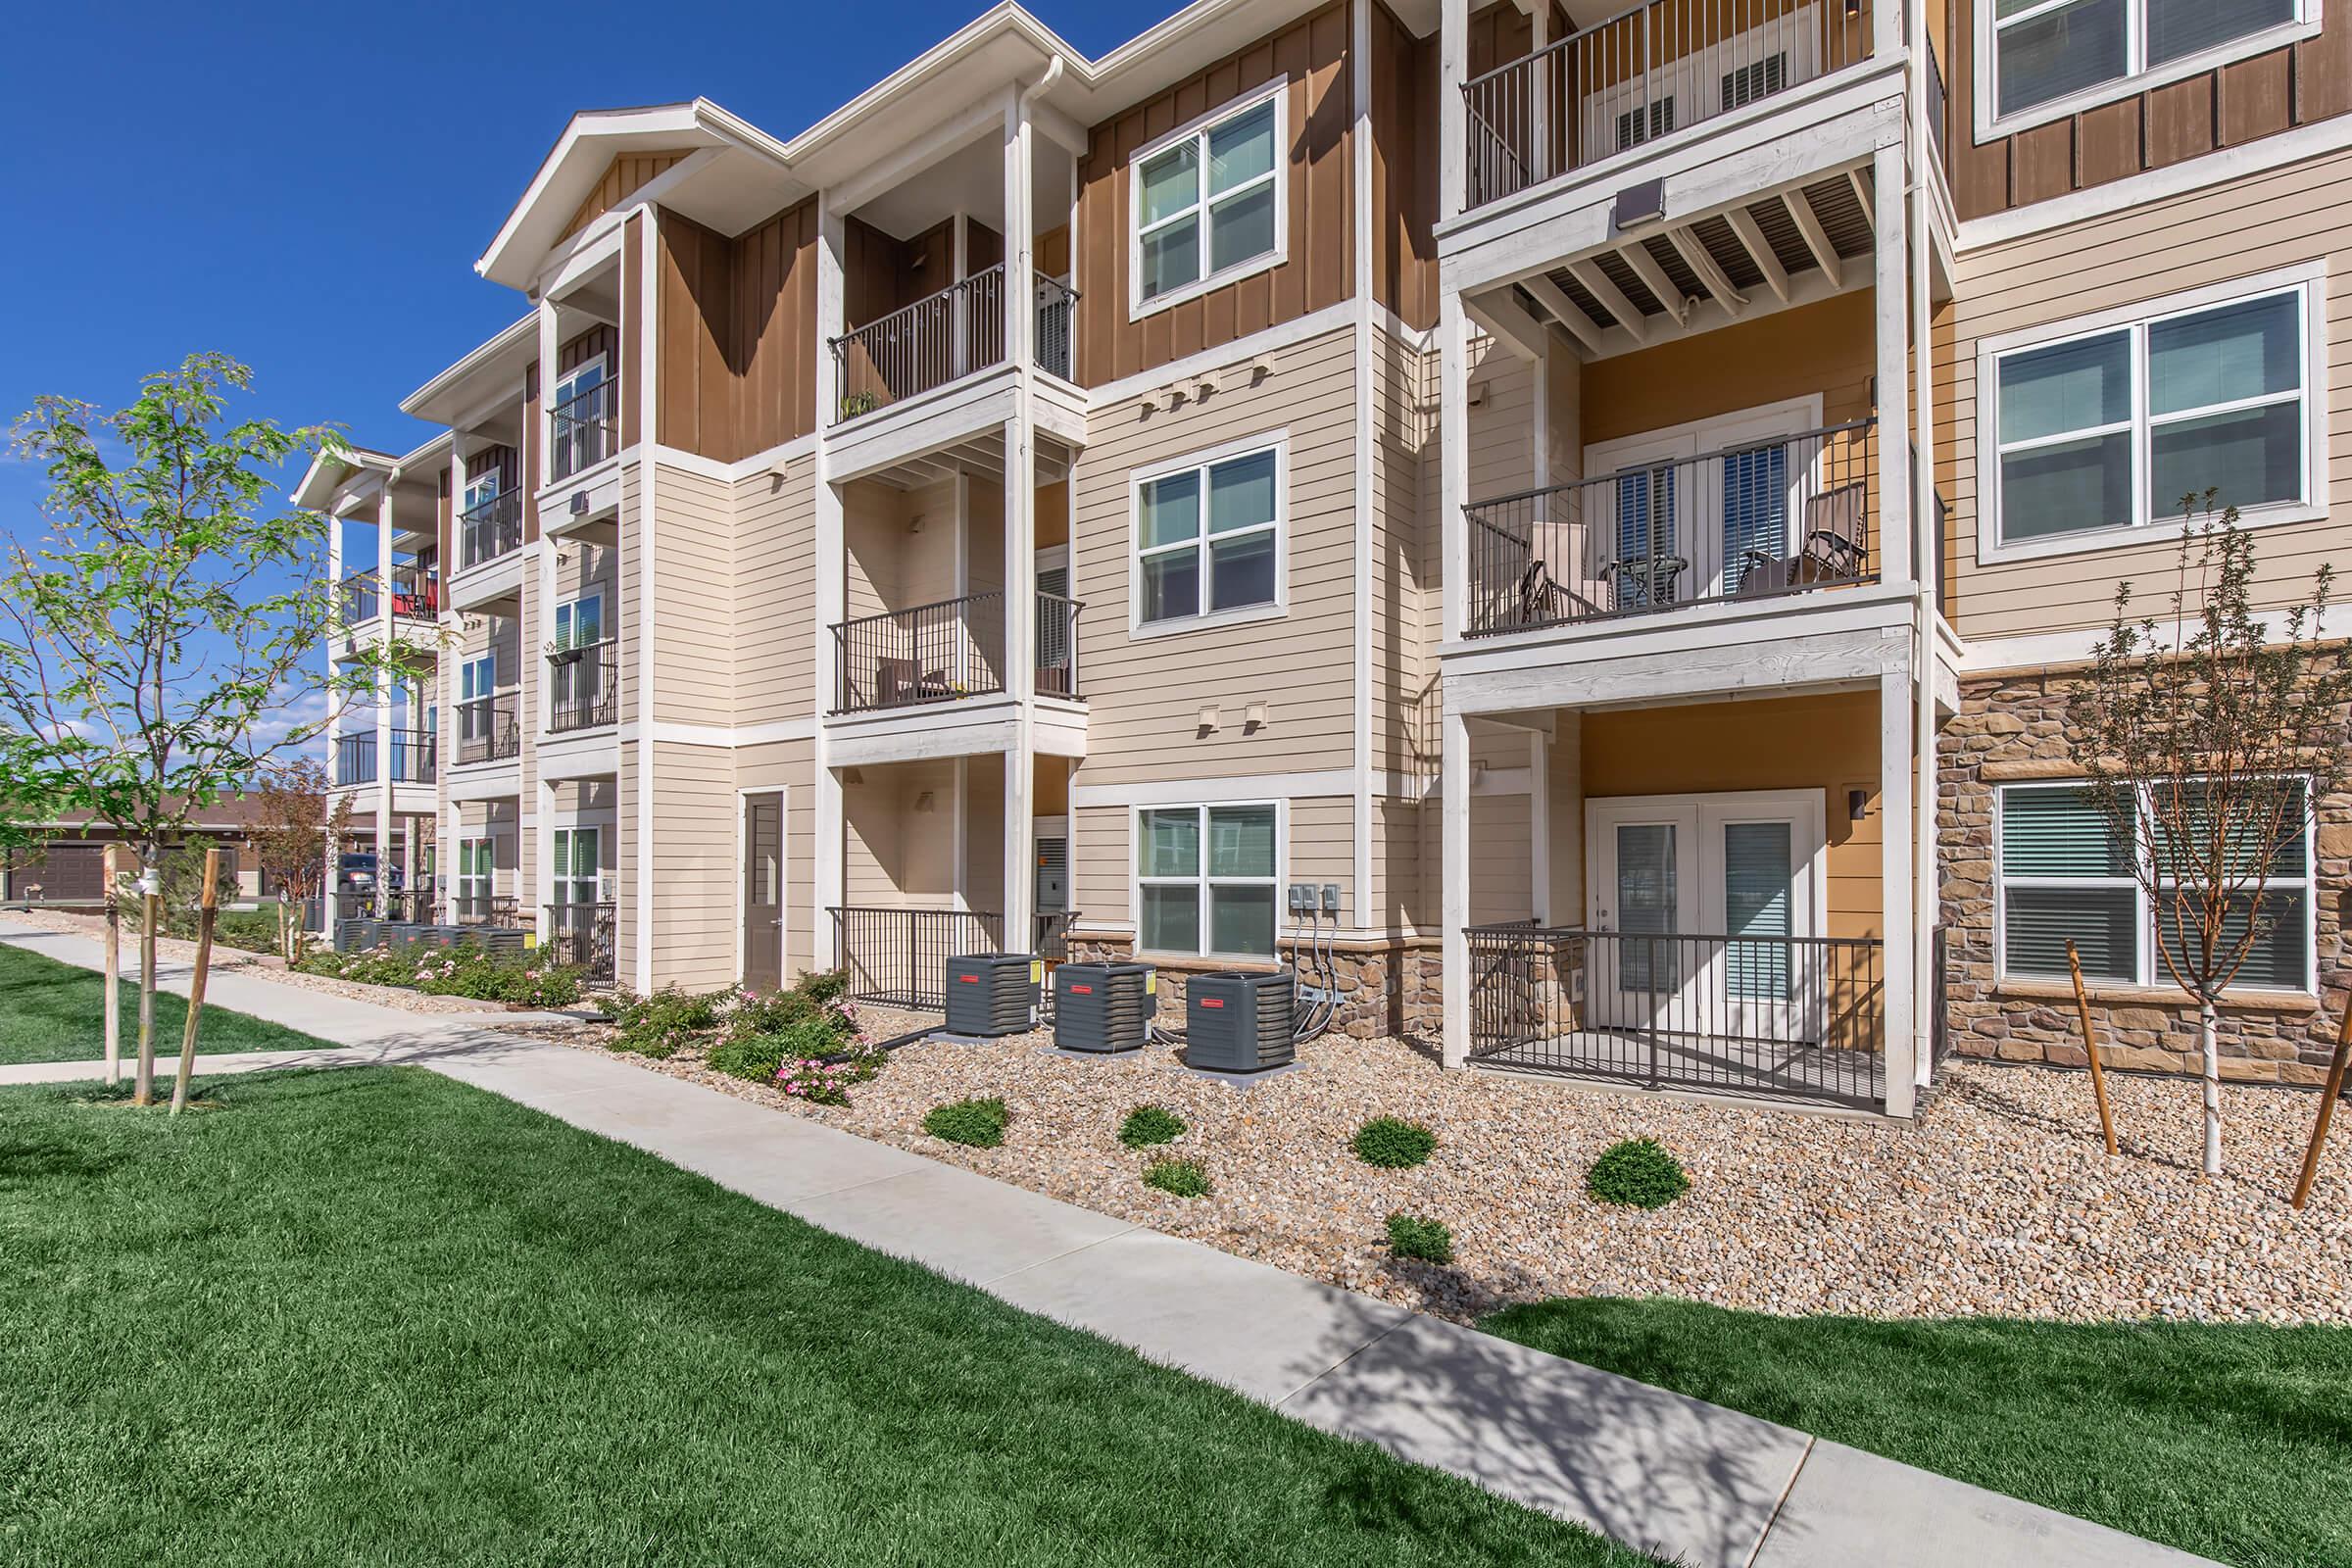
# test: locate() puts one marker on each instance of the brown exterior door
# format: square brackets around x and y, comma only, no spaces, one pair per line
[763,892]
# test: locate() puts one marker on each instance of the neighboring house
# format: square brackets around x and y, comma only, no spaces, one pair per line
[69,866]
[1480,462]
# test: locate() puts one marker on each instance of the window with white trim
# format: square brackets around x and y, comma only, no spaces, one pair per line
[578,867]
[1206,879]
[478,876]
[2108,429]
[1207,204]
[2051,51]
[1209,538]
[2061,872]
[580,622]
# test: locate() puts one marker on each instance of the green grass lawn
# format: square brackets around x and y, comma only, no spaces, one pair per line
[2230,1442]
[50,1012]
[376,1316]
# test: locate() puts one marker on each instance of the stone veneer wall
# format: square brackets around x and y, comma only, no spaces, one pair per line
[2016,727]
[1389,988]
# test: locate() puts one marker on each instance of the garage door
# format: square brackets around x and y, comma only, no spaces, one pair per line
[62,873]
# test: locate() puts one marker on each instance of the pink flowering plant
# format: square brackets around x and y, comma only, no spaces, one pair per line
[806,1040]
[817,1082]
[461,969]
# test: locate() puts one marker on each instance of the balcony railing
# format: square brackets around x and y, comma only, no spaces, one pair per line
[1642,76]
[944,337]
[1772,1016]
[490,528]
[500,911]
[1784,516]
[947,652]
[490,728]
[899,958]
[579,936]
[583,686]
[412,756]
[416,596]
[582,429]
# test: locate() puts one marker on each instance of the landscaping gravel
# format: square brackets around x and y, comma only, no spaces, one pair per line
[1999,1199]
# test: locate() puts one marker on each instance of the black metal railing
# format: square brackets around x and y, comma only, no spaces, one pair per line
[489,529]
[413,756]
[1782,516]
[1800,1017]
[354,759]
[579,936]
[409,906]
[939,653]
[490,728]
[416,596]
[1057,312]
[1636,77]
[581,429]
[1057,649]
[583,689]
[500,910]
[899,958]
[1054,935]
[940,338]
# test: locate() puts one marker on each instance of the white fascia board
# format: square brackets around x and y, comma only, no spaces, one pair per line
[520,341]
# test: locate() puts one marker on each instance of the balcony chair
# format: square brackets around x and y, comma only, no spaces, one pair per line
[1835,547]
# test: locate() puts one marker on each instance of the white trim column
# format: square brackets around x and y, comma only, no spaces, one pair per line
[1897,839]
[1454,867]
[329,902]
[381,636]
[1890,297]
[543,837]
[1020,521]
[1539,826]
[637,317]
[825,859]
[1454,69]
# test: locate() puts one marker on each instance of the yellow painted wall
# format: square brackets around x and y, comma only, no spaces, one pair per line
[1825,348]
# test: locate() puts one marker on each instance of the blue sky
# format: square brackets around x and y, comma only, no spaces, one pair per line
[306,187]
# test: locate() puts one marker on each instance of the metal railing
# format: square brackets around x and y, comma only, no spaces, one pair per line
[583,686]
[490,728]
[579,936]
[416,596]
[1782,516]
[1800,1017]
[1641,76]
[898,957]
[1057,649]
[581,429]
[500,910]
[1056,314]
[939,338]
[489,529]
[947,652]
[354,759]
[413,756]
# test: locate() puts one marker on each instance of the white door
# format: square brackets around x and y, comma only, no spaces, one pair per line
[1705,516]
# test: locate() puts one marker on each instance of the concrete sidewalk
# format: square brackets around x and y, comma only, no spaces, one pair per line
[1686,1480]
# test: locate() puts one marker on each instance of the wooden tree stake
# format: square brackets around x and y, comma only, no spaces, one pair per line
[2090,1047]
[113,965]
[209,908]
[143,1084]
[2319,1125]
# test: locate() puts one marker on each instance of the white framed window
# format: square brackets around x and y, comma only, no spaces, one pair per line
[580,622]
[478,875]
[2061,872]
[1209,537]
[1209,202]
[2097,427]
[1208,879]
[579,419]
[483,488]
[578,866]
[2047,59]
[478,683]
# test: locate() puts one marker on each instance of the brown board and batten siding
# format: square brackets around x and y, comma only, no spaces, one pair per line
[622,179]
[1404,170]
[2233,104]
[2275,220]
[533,433]
[1318,270]
[737,325]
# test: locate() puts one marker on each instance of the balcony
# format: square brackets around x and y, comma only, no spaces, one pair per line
[1638,77]
[416,596]
[1771,520]
[899,958]
[948,652]
[414,755]
[943,338]
[579,936]
[583,686]
[582,431]
[489,529]
[489,728]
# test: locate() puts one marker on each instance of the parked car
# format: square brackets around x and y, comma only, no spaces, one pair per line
[356,872]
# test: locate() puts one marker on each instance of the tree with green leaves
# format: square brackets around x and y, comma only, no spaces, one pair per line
[289,805]
[164,629]
[2211,734]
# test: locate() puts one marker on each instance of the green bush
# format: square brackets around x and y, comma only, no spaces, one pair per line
[1411,1236]
[1638,1172]
[1183,1177]
[461,969]
[823,985]
[977,1124]
[663,1024]
[1147,1125]
[762,1057]
[1392,1143]
[247,930]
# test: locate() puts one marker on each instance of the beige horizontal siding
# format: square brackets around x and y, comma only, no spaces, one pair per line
[694,599]
[775,596]
[790,765]
[695,865]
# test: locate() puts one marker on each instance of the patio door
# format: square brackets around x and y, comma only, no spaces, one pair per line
[1711,899]
[1698,520]
[763,892]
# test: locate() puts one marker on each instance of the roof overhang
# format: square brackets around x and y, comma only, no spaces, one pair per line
[445,398]
[335,480]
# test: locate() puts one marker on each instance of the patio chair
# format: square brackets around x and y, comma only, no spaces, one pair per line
[1835,547]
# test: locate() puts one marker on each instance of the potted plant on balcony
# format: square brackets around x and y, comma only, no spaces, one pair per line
[856,402]
[561,653]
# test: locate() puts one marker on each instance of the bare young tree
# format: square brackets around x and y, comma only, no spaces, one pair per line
[2211,733]
[293,835]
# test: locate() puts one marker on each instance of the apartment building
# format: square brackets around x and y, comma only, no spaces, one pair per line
[1613,501]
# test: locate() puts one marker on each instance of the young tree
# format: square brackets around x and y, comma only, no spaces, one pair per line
[2209,745]
[167,624]
[291,834]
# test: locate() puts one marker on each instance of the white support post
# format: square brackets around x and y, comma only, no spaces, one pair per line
[1454,69]
[329,902]
[543,841]
[1539,824]
[1890,313]
[1930,552]
[1454,459]
[1454,867]
[637,316]
[1020,521]
[1896,832]
[550,344]
[380,634]
[825,859]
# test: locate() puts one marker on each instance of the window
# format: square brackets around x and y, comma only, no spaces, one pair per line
[1209,538]
[2058,53]
[2063,873]
[478,682]
[477,877]
[580,622]
[482,488]
[579,870]
[1637,125]
[1209,202]
[579,419]
[2109,428]
[1206,880]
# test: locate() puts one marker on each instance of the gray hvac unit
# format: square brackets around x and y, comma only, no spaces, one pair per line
[1103,1006]
[991,994]
[1235,1022]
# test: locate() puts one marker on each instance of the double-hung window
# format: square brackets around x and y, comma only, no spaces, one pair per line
[1205,879]
[2063,873]
[477,877]
[578,868]
[1209,202]
[2108,428]
[478,683]
[2055,54]
[1208,537]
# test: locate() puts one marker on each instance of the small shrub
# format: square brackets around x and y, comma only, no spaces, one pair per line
[823,985]
[761,1057]
[461,970]
[1183,1177]
[1411,1236]
[663,1024]
[817,1082]
[1638,1172]
[1147,1125]
[1392,1143]
[975,1123]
